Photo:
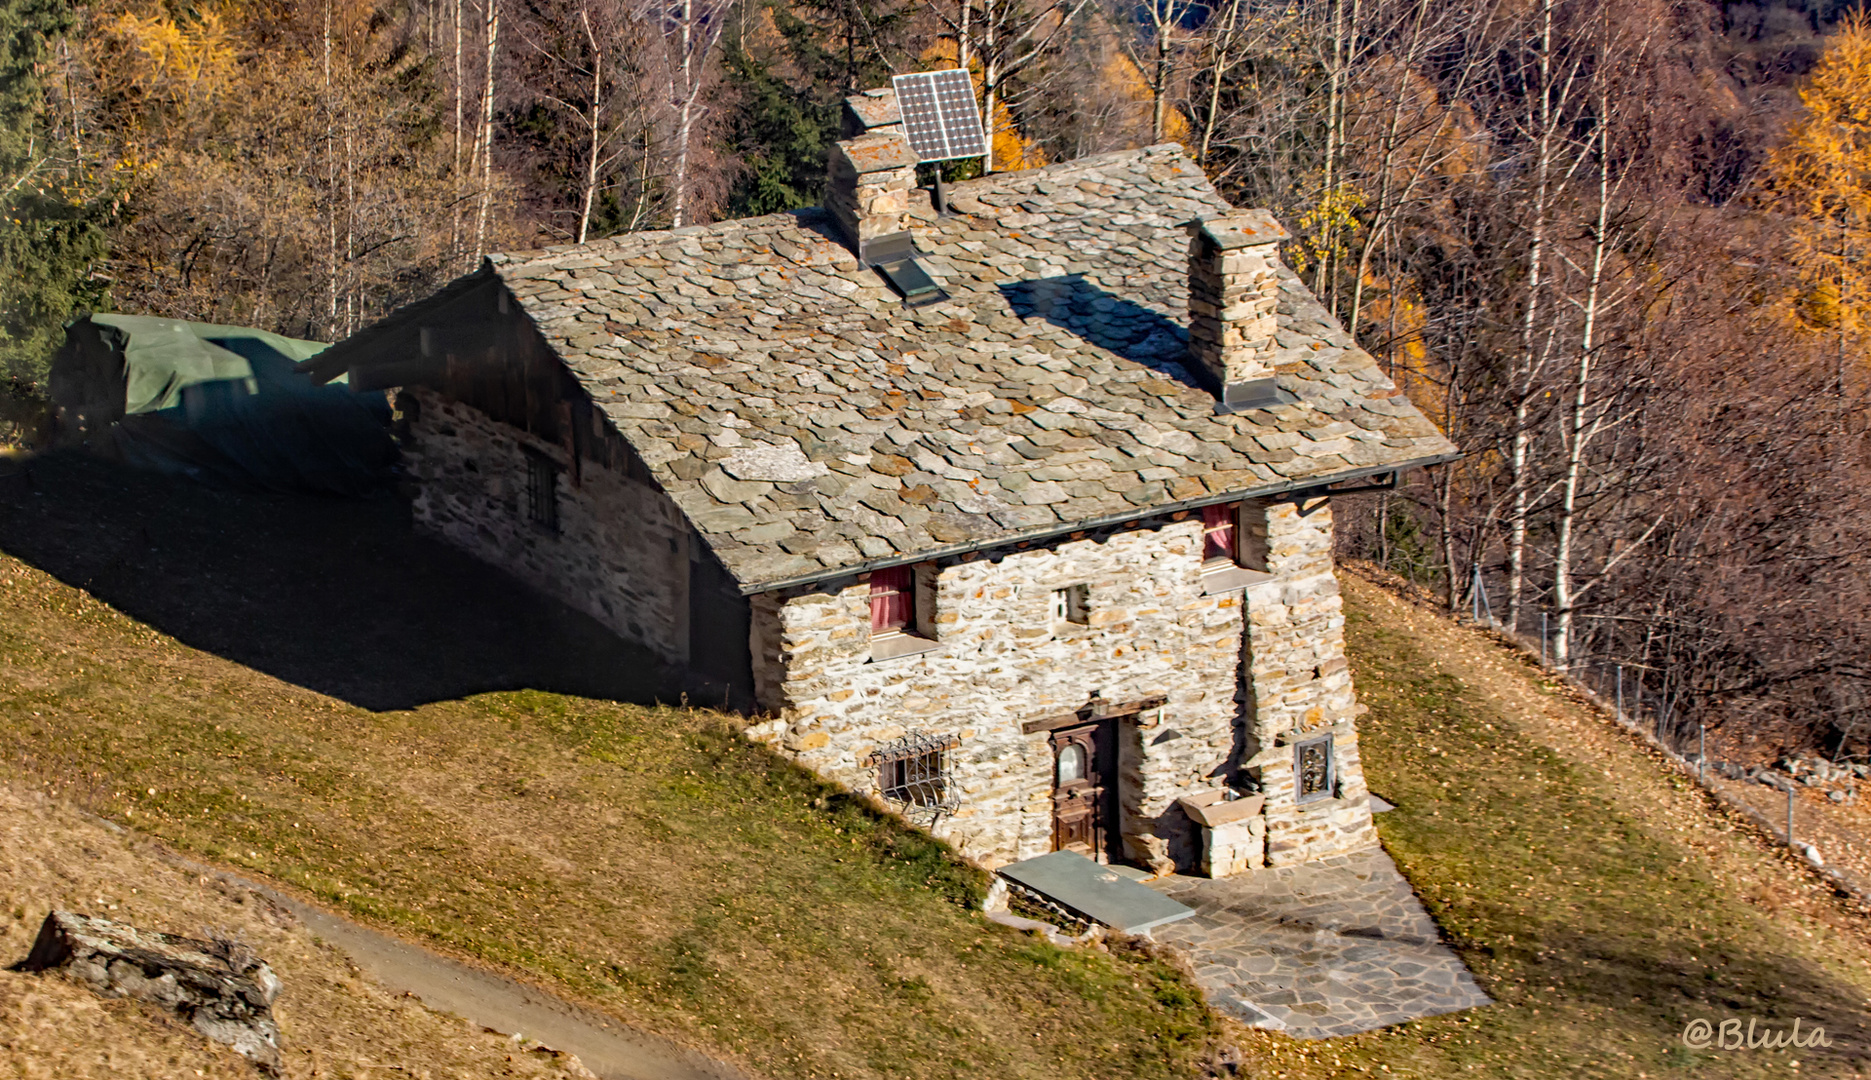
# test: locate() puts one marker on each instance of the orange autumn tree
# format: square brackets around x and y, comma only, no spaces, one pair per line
[1822,175]
[1011,149]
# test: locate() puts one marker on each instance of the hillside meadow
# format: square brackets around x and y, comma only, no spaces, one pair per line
[647,860]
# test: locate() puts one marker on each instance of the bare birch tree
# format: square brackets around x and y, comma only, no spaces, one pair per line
[689,31]
[1005,38]
[491,32]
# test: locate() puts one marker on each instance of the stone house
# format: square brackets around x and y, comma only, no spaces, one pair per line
[1022,522]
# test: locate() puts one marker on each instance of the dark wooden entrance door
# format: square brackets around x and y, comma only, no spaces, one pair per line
[1084,788]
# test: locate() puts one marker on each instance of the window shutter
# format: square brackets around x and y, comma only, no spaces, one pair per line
[893,599]
[1218,525]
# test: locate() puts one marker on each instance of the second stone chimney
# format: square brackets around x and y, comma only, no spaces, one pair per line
[869,177]
[1232,293]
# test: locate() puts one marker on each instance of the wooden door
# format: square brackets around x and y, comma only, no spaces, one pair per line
[1084,788]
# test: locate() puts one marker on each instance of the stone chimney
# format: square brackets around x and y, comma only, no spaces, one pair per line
[1232,292]
[870,176]
[872,111]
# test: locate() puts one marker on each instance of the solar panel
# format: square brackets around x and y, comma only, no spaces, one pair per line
[940,115]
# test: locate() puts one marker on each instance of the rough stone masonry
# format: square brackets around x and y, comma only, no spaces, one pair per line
[1242,676]
[220,988]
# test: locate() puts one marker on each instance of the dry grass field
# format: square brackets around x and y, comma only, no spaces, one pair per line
[333,1021]
[645,860]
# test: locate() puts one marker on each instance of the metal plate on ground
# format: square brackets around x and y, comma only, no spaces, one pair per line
[940,116]
[1095,892]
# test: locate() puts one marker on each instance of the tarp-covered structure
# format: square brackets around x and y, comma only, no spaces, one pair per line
[224,405]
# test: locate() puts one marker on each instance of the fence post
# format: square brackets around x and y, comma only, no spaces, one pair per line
[1542,639]
[1702,756]
[1620,693]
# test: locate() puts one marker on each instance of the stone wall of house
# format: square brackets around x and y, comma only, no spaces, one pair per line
[1000,662]
[1300,687]
[621,552]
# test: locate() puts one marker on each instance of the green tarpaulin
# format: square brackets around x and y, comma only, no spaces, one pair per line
[220,404]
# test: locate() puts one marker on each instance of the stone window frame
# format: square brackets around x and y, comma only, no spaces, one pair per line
[1330,790]
[917,634]
[1070,606]
[542,492]
[1247,563]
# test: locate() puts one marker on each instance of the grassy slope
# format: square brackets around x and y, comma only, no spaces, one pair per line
[333,1021]
[643,858]
[648,860]
[1598,898]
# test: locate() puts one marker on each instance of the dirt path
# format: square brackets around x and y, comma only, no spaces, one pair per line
[610,1050]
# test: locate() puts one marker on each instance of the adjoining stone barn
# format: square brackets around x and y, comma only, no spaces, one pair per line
[1022,521]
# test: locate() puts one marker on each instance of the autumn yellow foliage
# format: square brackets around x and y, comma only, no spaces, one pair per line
[1822,174]
[1121,71]
[1012,150]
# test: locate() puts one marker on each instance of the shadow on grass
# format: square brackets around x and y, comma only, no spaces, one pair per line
[338,596]
[1770,991]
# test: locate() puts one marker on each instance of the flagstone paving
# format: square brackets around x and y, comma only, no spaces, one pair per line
[1332,947]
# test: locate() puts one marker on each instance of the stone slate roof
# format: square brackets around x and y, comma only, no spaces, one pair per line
[808,424]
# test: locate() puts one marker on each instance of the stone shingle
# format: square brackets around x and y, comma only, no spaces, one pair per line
[808,424]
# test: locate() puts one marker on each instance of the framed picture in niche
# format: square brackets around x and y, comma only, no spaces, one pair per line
[1315,773]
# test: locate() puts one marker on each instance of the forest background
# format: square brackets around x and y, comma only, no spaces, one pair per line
[1614,247]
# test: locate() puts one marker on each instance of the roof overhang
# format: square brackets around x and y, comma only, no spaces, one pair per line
[1312,484]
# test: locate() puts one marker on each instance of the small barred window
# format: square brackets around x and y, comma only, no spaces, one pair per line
[542,492]
[1071,605]
[913,773]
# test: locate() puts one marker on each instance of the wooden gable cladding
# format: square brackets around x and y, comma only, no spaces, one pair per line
[477,346]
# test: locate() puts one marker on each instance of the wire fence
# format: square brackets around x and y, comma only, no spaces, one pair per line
[1628,693]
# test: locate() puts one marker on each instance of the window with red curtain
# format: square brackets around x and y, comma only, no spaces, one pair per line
[1217,533]
[893,599]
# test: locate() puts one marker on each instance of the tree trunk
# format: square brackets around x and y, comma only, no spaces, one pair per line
[487,134]
[597,120]
[990,80]
[1578,434]
[686,119]
[331,185]
[1523,388]
[961,38]
[1159,82]
[454,171]
[1333,92]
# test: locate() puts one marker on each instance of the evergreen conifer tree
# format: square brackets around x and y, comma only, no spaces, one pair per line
[50,235]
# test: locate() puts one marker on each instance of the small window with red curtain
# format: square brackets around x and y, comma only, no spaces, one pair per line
[893,600]
[1218,528]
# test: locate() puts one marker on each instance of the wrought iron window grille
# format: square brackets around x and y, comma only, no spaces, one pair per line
[542,492]
[913,774]
[1315,770]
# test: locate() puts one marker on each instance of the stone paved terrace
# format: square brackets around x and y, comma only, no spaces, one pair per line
[1327,948]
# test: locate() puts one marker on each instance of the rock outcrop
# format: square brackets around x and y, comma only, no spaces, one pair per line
[218,986]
